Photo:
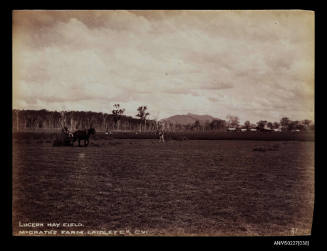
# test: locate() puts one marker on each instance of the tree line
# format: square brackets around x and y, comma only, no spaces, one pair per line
[285,124]
[24,120]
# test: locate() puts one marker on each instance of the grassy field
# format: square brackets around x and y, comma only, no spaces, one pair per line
[220,135]
[182,187]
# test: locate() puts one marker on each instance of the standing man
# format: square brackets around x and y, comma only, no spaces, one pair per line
[161,136]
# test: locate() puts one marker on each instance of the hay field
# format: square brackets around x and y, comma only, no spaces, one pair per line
[189,187]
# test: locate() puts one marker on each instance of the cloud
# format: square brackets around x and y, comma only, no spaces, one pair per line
[254,64]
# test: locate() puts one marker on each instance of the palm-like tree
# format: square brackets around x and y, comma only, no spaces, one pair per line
[117,112]
[142,114]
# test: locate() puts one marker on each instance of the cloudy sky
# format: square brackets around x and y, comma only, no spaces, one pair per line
[251,64]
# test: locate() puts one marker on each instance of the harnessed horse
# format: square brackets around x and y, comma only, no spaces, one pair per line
[83,135]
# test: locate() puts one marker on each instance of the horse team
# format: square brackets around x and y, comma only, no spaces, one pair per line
[70,138]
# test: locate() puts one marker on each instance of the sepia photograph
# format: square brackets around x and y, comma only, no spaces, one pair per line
[166,123]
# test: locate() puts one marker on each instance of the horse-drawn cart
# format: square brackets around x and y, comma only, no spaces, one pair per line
[66,138]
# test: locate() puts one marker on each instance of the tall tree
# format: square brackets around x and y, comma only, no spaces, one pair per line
[306,123]
[217,124]
[247,125]
[284,122]
[276,125]
[270,125]
[261,124]
[206,125]
[233,121]
[142,114]
[293,125]
[63,119]
[117,112]
[197,125]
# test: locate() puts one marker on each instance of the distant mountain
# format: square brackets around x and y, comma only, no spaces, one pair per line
[188,119]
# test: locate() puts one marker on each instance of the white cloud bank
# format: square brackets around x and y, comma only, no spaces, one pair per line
[253,64]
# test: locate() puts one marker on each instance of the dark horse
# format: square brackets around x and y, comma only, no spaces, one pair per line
[83,135]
